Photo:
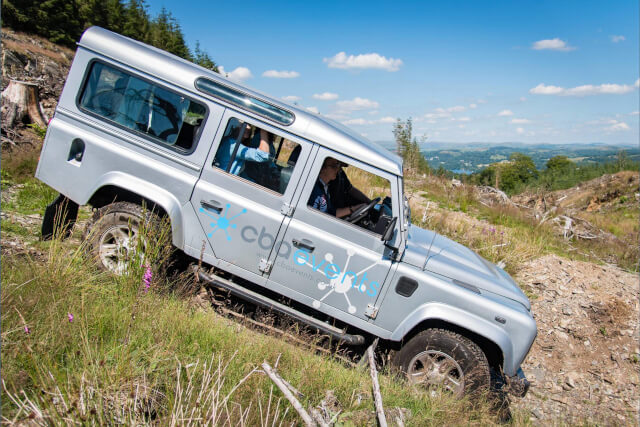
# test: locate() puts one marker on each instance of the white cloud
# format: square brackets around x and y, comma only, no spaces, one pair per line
[387,119]
[520,121]
[617,126]
[291,98]
[552,44]
[313,110]
[365,61]
[505,113]
[463,119]
[373,113]
[617,39]
[519,131]
[456,109]
[584,90]
[357,103]
[481,101]
[326,96]
[523,99]
[635,113]
[473,106]
[355,122]
[361,121]
[439,114]
[637,83]
[238,75]
[274,74]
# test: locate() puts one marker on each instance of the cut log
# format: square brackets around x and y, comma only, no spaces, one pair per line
[20,104]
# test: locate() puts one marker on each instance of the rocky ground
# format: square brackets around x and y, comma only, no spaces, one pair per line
[584,363]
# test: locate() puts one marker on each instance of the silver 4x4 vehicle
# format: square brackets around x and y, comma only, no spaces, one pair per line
[283,205]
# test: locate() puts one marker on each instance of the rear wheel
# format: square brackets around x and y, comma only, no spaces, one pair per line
[115,235]
[438,360]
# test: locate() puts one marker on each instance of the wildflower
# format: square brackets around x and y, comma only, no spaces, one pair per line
[26,330]
[70,316]
[493,230]
[146,280]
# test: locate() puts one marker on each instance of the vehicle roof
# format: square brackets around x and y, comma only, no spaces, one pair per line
[183,73]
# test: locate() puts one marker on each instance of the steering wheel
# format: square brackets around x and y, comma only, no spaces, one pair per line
[362,211]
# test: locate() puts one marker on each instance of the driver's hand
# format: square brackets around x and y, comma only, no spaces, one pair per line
[356,207]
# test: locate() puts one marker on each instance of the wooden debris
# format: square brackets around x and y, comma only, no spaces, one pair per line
[287,393]
[376,387]
[20,104]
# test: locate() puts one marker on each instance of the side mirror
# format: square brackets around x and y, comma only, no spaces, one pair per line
[388,231]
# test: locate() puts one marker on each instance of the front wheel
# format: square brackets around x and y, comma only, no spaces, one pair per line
[438,359]
[118,235]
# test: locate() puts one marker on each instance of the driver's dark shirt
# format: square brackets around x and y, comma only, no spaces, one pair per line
[339,191]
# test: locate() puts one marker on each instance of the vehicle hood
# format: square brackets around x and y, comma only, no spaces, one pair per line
[433,252]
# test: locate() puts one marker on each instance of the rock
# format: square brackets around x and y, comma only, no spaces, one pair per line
[571,379]
[566,310]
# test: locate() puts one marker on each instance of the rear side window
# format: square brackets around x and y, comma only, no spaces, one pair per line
[257,155]
[142,106]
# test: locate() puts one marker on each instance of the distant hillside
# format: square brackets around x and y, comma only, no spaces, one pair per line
[469,159]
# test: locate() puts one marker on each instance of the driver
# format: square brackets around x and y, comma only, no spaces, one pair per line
[320,198]
[343,193]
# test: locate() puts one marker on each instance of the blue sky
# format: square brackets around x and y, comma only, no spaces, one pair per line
[465,71]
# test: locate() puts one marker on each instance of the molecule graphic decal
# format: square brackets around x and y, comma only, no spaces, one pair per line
[222,222]
[343,282]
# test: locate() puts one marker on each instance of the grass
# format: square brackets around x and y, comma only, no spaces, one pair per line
[525,238]
[139,357]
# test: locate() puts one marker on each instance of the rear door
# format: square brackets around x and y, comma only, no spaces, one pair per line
[241,204]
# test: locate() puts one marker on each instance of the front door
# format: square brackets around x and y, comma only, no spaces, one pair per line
[245,189]
[327,262]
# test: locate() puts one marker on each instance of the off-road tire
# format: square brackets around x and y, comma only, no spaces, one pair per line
[112,232]
[447,351]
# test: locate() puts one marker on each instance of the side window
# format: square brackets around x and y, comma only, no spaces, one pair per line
[257,155]
[352,194]
[142,106]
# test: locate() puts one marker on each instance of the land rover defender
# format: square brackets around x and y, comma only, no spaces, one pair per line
[245,181]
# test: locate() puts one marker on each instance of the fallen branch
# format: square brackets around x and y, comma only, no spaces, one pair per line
[287,393]
[376,387]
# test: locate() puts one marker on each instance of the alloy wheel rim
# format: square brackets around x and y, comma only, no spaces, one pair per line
[434,369]
[118,246]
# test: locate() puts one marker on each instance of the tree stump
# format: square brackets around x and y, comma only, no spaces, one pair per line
[20,104]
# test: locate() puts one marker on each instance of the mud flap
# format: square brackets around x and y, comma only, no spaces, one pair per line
[59,217]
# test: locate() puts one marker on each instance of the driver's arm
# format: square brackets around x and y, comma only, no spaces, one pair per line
[347,210]
[358,195]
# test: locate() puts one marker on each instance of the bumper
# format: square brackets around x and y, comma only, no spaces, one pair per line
[517,385]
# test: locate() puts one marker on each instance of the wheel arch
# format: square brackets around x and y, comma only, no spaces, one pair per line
[495,344]
[116,186]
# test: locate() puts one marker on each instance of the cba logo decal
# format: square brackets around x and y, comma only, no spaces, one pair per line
[222,222]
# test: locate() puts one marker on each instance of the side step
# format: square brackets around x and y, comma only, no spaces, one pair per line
[268,303]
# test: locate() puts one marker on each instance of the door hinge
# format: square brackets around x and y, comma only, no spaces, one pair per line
[371,311]
[286,209]
[264,265]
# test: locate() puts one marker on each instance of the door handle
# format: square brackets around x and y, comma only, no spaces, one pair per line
[304,244]
[211,205]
